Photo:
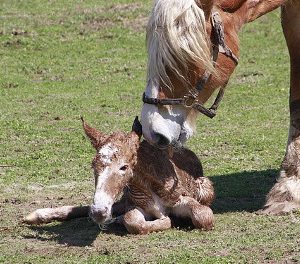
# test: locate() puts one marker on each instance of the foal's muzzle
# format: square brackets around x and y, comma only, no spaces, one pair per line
[100,214]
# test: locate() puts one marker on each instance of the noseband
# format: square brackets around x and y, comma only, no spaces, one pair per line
[190,100]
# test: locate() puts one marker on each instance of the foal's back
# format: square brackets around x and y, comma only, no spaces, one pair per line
[168,175]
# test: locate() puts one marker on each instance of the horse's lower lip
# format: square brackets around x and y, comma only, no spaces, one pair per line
[176,144]
[160,147]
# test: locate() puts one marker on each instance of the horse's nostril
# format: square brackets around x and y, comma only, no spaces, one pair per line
[161,140]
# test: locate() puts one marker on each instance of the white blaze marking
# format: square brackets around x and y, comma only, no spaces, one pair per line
[171,122]
[102,198]
[152,88]
[107,152]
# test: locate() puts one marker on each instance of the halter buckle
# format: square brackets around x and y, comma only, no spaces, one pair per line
[189,101]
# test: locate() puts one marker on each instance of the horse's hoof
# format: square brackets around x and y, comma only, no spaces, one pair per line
[279,208]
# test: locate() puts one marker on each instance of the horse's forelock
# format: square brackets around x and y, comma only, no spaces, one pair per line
[176,38]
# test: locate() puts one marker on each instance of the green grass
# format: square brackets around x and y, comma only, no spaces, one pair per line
[64,59]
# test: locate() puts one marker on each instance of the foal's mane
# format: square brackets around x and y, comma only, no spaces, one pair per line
[176,38]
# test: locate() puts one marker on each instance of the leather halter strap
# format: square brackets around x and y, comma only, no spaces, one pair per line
[191,99]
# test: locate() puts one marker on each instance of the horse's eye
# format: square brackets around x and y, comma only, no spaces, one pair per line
[124,168]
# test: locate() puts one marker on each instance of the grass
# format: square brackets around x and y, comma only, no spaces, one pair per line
[64,59]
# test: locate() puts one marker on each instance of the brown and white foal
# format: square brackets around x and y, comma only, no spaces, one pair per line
[159,184]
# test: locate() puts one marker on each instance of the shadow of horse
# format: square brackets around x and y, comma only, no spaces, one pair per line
[243,191]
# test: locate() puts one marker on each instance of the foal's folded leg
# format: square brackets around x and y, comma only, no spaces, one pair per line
[201,215]
[135,222]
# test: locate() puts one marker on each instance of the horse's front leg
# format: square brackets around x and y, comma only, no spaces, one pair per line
[136,223]
[201,215]
[285,195]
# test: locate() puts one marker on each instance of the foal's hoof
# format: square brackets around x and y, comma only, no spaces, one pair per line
[204,218]
[32,219]
[279,208]
[39,216]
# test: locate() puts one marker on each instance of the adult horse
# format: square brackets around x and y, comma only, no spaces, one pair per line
[192,50]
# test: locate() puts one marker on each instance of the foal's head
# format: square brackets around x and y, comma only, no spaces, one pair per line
[113,164]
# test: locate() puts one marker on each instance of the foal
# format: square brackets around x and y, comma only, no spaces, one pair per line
[158,183]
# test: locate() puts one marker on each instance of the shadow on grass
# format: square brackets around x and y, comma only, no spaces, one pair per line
[79,232]
[243,191]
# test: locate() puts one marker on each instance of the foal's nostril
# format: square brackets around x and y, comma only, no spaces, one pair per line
[99,214]
[101,211]
[161,140]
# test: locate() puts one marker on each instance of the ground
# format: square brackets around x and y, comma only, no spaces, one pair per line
[64,59]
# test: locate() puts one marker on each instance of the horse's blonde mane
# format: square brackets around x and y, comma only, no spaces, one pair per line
[176,37]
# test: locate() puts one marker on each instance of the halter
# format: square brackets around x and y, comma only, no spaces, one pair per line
[190,100]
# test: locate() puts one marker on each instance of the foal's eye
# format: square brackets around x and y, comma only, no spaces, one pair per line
[124,168]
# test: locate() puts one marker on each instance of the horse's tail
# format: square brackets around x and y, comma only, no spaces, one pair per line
[63,213]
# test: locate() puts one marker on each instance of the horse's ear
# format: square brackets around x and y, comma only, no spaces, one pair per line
[256,9]
[231,5]
[95,136]
[206,6]
[137,127]
[249,10]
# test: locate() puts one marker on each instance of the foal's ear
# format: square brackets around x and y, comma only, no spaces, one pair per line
[95,136]
[137,127]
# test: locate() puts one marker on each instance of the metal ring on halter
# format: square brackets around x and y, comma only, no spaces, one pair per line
[189,101]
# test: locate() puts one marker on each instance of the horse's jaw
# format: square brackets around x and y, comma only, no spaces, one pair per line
[164,126]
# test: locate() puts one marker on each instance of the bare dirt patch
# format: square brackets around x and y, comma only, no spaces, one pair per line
[97,20]
[136,25]
[112,8]
[97,24]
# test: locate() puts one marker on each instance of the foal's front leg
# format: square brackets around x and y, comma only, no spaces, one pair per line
[285,195]
[136,223]
[63,213]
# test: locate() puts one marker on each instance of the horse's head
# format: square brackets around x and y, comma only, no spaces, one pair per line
[189,43]
[113,167]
